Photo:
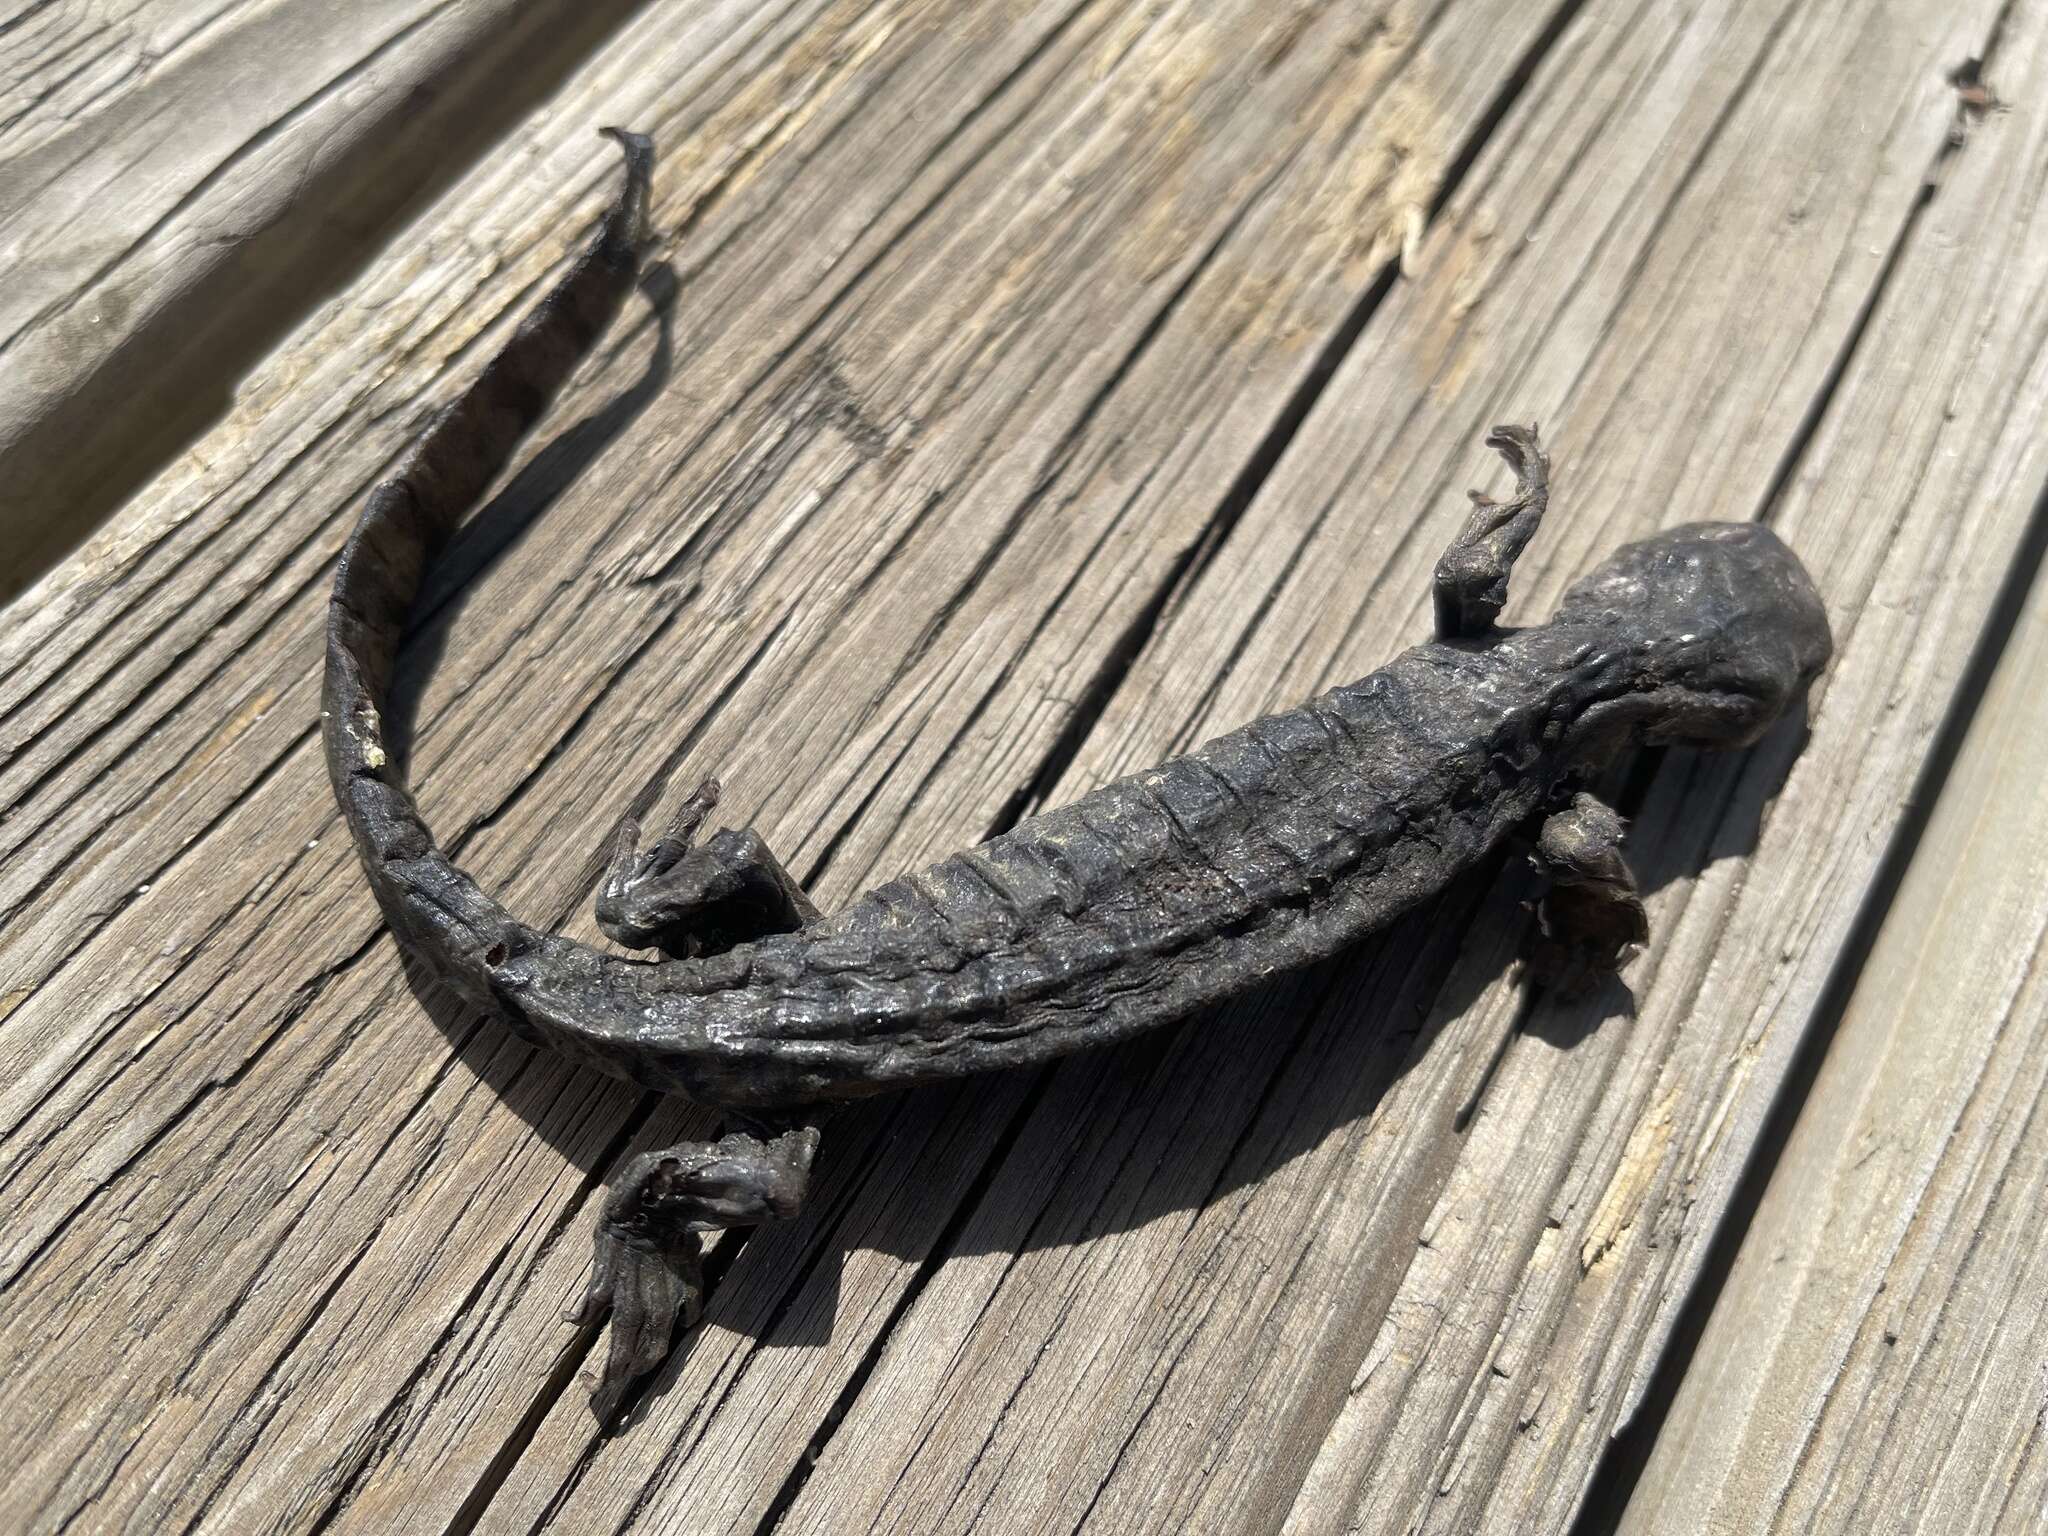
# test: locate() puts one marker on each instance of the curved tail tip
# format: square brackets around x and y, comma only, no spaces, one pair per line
[638,149]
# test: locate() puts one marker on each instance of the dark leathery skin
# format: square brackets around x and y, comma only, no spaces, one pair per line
[1172,889]
[1147,900]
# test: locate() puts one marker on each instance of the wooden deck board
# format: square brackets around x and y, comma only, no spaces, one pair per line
[1468,1251]
[178,177]
[265,1030]
[1875,1358]
[981,441]
[1875,1355]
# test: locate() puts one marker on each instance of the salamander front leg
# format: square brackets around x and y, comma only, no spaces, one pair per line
[648,1270]
[1591,919]
[690,900]
[1472,576]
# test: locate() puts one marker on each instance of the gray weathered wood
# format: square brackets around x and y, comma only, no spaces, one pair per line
[1875,1358]
[178,180]
[1911,501]
[872,392]
[1150,1326]
[980,314]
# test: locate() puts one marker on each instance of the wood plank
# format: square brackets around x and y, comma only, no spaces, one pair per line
[180,179]
[1874,1358]
[463,1322]
[300,1262]
[1910,502]
[1195,1256]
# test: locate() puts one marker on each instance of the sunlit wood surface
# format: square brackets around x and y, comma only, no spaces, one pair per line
[1022,391]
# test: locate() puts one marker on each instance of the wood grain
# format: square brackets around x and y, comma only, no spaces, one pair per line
[1874,1360]
[1299,1228]
[1025,395]
[206,1021]
[180,180]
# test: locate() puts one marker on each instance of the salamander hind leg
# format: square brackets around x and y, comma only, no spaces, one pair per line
[647,1270]
[1591,919]
[1472,576]
[686,898]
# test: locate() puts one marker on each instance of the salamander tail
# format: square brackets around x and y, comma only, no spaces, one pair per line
[448,919]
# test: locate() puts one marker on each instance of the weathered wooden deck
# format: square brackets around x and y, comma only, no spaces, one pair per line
[1027,390]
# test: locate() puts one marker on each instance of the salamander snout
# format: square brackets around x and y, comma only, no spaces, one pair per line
[1725,626]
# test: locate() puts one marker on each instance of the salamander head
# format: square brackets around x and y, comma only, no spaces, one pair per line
[1723,626]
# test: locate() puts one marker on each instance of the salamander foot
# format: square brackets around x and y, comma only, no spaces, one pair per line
[1590,920]
[1472,575]
[652,1290]
[648,1270]
[690,900]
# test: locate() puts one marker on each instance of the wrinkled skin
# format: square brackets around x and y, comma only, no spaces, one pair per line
[1154,897]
